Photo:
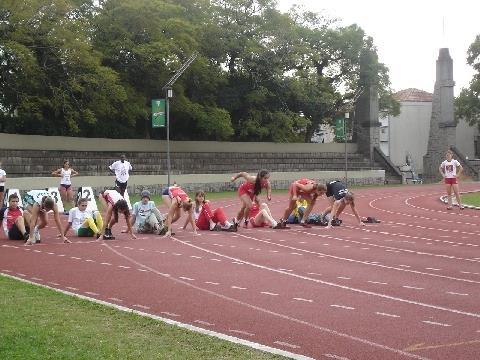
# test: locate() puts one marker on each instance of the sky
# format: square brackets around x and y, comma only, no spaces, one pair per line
[408,34]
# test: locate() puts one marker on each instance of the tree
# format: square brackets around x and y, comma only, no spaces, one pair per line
[467,104]
[51,80]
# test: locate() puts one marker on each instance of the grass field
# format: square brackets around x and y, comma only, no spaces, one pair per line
[471,199]
[38,323]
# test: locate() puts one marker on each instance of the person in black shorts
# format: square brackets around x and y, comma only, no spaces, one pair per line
[338,197]
[14,220]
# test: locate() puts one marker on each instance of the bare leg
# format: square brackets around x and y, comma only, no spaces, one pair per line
[449,196]
[289,209]
[457,195]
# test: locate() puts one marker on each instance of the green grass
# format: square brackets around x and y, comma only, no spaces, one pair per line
[38,323]
[471,199]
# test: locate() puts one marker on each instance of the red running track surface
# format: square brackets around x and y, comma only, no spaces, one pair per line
[407,288]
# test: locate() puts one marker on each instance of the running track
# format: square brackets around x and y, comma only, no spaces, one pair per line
[407,288]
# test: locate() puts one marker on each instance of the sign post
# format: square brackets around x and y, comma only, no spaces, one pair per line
[158,113]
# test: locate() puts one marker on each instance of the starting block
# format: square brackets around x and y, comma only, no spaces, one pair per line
[86,192]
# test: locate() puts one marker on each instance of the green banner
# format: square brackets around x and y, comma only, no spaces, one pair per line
[158,113]
[339,129]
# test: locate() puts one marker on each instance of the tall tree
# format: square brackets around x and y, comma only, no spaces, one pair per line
[467,104]
[51,80]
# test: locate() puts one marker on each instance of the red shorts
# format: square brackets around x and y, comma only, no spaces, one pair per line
[451,181]
[252,221]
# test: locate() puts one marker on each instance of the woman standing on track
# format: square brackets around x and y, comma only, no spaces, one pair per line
[450,169]
[176,199]
[305,189]
[249,189]
[65,188]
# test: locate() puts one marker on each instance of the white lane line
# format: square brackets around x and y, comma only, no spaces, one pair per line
[184,278]
[294,253]
[22,275]
[314,274]
[141,306]
[302,299]
[241,332]
[216,260]
[37,251]
[212,283]
[124,267]
[142,270]
[37,279]
[385,314]
[335,357]
[169,314]
[433,269]
[89,260]
[413,287]
[455,293]
[75,258]
[105,263]
[115,299]
[238,287]
[177,254]
[268,293]
[377,282]
[282,343]
[344,278]
[237,263]
[91,293]
[7,271]
[343,307]
[61,255]
[435,323]
[50,253]
[203,322]
[53,283]
[195,257]
[71,288]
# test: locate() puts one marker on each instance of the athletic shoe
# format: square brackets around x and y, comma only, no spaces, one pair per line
[108,237]
[26,236]
[232,228]
[462,207]
[449,208]
[278,226]
[336,222]
[245,224]
[163,231]
[97,235]
[217,227]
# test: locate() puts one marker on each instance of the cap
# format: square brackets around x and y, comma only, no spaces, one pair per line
[145,193]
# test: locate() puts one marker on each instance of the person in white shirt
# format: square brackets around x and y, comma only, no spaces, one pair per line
[83,222]
[38,203]
[65,188]
[146,218]
[450,169]
[3,178]
[121,168]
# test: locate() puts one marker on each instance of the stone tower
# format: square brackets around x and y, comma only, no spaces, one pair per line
[366,124]
[442,122]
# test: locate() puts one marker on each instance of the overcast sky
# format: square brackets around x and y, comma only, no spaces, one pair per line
[409,33]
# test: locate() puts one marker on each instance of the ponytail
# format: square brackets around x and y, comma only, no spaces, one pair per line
[258,181]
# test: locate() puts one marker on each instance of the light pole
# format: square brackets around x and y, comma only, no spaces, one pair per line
[347,115]
[168,95]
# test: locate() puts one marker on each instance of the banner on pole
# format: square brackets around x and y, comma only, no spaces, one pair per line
[340,129]
[158,113]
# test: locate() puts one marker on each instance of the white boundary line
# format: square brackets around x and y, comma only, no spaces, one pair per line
[225,337]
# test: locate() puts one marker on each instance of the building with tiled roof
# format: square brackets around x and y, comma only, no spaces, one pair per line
[413,95]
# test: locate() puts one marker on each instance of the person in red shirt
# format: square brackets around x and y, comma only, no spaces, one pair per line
[303,189]
[259,215]
[208,219]
[177,200]
[249,189]
[15,220]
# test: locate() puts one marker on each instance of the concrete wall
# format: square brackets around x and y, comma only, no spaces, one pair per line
[35,142]
[408,132]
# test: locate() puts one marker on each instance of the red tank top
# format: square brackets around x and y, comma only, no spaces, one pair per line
[177,191]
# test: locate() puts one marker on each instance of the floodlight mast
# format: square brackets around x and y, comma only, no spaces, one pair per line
[169,94]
